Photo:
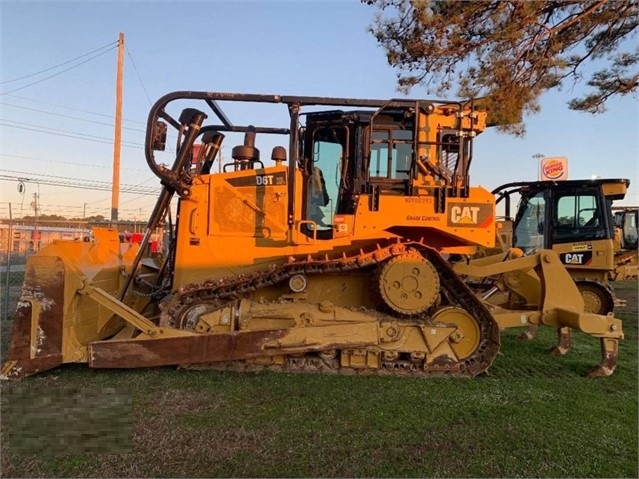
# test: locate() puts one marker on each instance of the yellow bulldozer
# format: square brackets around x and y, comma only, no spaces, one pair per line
[626,220]
[575,219]
[331,258]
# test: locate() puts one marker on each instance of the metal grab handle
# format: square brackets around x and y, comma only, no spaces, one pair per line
[170,184]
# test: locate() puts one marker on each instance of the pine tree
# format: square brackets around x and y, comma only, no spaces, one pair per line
[511,52]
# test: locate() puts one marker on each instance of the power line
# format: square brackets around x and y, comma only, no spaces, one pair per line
[78,183]
[139,77]
[58,65]
[72,108]
[59,115]
[132,199]
[81,207]
[27,174]
[56,74]
[91,208]
[74,210]
[66,133]
[89,165]
[139,184]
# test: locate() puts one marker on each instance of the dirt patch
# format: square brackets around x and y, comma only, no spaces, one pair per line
[67,419]
[172,437]
[165,436]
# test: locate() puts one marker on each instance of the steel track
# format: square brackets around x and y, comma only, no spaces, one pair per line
[219,293]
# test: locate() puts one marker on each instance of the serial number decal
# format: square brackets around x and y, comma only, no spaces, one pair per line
[418,199]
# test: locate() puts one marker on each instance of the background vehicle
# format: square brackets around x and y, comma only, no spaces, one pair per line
[626,234]
[332,262]
[574,219]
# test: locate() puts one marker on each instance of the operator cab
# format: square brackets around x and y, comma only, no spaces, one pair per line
[338,161]
[345,154]
[552,213]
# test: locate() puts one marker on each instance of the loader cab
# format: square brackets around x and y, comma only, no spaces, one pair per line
[573,217]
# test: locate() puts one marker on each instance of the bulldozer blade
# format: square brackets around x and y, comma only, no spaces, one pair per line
[36,341]
[179,350]
[54,322]
[210,348]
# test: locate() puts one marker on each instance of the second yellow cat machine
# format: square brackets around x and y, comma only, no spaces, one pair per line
[596,242]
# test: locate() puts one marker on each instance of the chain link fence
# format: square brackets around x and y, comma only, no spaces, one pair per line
[20,239]
[11,279]
[13,265]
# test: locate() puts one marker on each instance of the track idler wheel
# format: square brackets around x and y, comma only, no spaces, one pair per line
[466,339]
[409,283]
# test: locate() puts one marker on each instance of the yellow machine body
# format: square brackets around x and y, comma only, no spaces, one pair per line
[626,219]
[333,259]
[575,219]
[225,229]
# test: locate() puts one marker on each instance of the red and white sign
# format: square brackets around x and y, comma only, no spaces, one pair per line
[195,151]
[554,169]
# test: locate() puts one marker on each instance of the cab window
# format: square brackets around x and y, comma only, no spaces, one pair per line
[630,230]
[529,230]
[324,176]
[577,217]
[391,154]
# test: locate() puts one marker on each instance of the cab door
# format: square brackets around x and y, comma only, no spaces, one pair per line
[581,232]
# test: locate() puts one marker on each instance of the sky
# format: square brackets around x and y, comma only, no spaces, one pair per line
[56,124]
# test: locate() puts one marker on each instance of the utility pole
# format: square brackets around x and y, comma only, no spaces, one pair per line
[35,236]
[117,140]
[539,157]
[9,248]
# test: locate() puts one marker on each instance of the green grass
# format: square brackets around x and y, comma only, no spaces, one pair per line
[534,415]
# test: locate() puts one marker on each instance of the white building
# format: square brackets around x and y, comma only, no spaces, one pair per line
[27,239]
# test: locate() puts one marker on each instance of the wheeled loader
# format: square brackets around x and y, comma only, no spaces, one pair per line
[332,257]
